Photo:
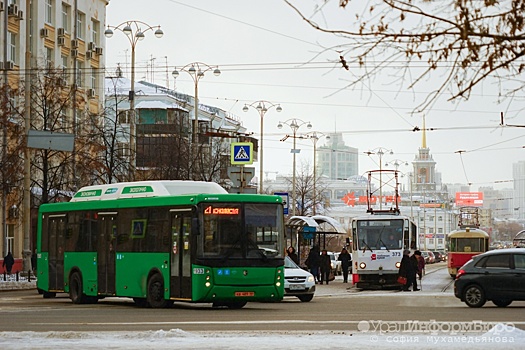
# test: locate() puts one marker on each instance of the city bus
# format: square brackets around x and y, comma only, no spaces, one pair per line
[465,242]
[162,241]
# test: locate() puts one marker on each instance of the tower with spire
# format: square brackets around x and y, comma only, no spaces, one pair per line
[424,168]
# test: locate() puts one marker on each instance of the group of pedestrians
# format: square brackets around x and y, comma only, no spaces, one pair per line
[320,265]
[411,267]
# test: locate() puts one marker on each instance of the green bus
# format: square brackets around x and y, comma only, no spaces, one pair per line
[162,241]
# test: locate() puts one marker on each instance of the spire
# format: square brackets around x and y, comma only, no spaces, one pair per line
[424,145]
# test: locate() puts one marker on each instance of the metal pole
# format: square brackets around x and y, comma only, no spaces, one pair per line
[4,132]
[132,119]
[293,176]
[195,124]
[26,213]
[315,175]
[261,148]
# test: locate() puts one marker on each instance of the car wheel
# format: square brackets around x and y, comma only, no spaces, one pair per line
[306,298]
[474,296]
[502,302]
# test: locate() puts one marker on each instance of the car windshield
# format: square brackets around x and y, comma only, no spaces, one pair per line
[289,264]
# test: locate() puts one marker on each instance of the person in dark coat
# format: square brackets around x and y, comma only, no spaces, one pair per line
[292,254]
[313,261]
[326,266]
[408,270]
[346,262]
[9,261]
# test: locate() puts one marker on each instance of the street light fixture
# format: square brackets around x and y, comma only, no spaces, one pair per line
[134,31]
[196,70]
[262,107]
[380,151]
[294,124]
[315,136]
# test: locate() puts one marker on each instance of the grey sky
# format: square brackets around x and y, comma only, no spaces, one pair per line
[266,52]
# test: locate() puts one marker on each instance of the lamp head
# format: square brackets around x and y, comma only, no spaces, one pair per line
[127,29]
[278,108]
[216,72]
[309,126]
[192,69]
[175,73]
[159,33]
[108,33]
[259,107]
[140,35]
[280,125]
[245,108]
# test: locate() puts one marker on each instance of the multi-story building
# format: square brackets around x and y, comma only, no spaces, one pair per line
[518,174]
[39,39]
[335,160]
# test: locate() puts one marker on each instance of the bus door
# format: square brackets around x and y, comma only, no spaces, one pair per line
[56,234]
[107,223]
[180,275]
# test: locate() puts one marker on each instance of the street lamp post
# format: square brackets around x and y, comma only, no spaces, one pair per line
[380,151]
[315,136]
[397,163]
[196,70]
[294,124]
[135,32]
[262,107]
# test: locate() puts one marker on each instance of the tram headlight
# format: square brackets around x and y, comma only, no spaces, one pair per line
[398,264]
[362,265]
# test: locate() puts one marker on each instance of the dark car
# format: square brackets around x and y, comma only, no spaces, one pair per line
[438,256]
[497,275]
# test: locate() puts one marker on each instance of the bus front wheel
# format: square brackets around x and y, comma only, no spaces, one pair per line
[155,296]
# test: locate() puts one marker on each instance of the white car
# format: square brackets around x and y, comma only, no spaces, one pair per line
[337,268]
[298,282]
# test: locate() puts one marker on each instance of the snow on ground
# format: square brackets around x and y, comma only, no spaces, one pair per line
[176,338]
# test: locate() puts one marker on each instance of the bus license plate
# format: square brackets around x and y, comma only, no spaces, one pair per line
[297,287]
[244,294]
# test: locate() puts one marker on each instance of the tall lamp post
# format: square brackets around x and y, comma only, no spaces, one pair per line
[380,151]
[294,124]
[262,107]
[315,136]
[196,70]
[135,32]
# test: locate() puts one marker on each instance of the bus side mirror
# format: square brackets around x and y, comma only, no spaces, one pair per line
[195,227]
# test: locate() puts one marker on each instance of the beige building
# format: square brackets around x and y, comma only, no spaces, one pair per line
[50,34]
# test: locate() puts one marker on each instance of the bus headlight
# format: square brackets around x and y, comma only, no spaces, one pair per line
[398,264]
[362,265]
[207,284]
[278,284]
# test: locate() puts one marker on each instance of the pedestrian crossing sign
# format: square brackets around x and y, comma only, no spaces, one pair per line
[242,153]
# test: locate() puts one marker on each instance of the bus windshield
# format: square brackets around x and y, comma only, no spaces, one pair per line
[379,234]
[240,230]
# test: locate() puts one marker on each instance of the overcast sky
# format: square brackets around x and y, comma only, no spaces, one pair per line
[266,52]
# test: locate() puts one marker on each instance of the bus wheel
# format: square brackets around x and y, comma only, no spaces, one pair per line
[141,302]
[48,295]
[156,292]
[75,289]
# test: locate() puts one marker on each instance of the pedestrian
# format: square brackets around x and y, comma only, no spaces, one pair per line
[420,264]
[8,263]
[292,254]
[415,263]
[313,261]
[407,269]
[346,262]
[326,266]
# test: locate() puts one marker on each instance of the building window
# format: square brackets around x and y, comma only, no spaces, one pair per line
[93,79]
[49,11]
[66,11]
[95,29]
[123,149]
[440,218]
[11,44]
[81,19]
[79,72]
[123,116]
[49,57]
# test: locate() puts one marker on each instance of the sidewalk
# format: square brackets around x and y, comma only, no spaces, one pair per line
[12,284]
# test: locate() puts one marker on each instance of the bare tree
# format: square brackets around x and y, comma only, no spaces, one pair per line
[462,42]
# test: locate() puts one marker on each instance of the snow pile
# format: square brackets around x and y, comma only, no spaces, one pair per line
[503,337]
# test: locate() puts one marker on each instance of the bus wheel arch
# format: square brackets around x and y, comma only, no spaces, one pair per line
[155,291]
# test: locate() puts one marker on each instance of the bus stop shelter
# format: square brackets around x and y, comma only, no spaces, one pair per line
[313,228]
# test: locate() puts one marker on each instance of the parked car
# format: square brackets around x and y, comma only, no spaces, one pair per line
[336,264]
[298,282]
[496,275]
[429,257]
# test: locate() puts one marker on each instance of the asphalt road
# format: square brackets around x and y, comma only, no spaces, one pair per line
[337,307]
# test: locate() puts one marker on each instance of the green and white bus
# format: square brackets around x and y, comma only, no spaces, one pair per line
[162,241]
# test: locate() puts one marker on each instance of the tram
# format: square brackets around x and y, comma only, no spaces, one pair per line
[379,239]
[467,241]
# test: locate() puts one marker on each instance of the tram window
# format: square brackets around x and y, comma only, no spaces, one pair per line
[498,261]
[519,261]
